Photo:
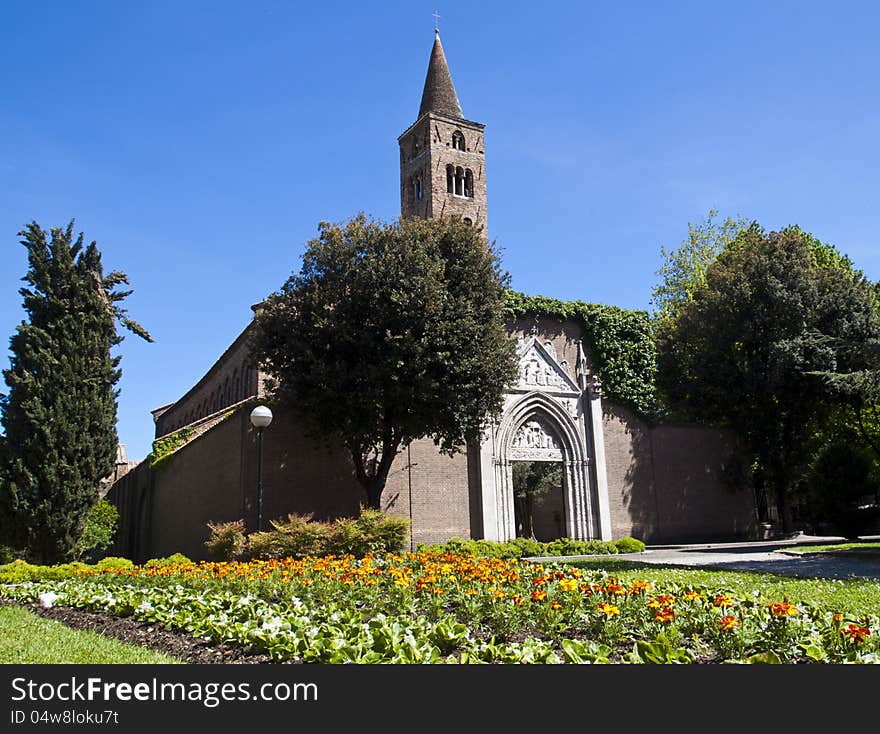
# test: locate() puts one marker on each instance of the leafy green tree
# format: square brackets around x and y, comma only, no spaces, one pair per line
[59,415]
[390,333]
[684,269]
[745,350]
[99,529]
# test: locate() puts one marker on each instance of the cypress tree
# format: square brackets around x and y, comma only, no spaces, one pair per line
[59,415]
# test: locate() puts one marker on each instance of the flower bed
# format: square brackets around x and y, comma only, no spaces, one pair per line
[431,607]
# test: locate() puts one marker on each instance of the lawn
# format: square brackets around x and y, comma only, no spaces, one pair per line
[842,548]
[26,638]
[433,607]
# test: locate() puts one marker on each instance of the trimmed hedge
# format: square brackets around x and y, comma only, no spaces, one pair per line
[524,547]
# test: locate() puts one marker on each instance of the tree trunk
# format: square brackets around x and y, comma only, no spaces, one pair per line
[783,506]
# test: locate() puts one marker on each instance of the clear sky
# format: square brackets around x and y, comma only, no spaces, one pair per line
[200,143]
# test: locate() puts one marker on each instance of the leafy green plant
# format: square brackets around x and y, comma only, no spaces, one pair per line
[99,529]
[175,559]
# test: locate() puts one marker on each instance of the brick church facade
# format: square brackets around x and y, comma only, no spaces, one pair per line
[617,474]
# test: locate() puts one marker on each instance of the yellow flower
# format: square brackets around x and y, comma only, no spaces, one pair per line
[555,605]
[568,584]
[609,610]
[728,622]
[539,595]
[691,595]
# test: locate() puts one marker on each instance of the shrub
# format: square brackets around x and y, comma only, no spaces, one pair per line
[98,531]
[177,559]
[18,571]
[298,536]
[227,540]
[521,547]
[113,562]
[629,545]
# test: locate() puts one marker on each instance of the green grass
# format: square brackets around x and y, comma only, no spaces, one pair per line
[850,596]
[26,638]
[839,547]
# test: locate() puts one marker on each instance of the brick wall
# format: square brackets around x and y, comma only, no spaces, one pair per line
[230,380]
[666,483]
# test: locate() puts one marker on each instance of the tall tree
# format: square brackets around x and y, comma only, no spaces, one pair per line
[745,350]
[59,415]
[683,269]
[390,333]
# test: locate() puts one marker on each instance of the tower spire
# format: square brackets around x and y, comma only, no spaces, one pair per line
[439,93]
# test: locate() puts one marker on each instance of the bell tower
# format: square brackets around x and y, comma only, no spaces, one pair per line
[442,156]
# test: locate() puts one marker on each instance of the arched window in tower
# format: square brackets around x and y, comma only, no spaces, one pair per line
[450,179]
[458,140]
[469,183]
[417,188]
[468,221]
[459,181]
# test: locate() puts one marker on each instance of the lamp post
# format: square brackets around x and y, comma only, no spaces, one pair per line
[261,417]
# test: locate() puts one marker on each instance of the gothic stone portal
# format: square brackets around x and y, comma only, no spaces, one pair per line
[548,417]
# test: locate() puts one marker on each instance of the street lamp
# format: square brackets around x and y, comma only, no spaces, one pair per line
[261,417]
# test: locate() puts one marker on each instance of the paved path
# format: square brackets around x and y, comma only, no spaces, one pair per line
[764,556]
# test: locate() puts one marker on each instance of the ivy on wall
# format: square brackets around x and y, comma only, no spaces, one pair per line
[164,447]
[167,445]
[620,341]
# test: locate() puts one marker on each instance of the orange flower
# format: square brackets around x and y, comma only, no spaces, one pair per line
[837,618]
[517,599]
[721,601]
[498,594]
[609,610]
[539,580]
[555,605]
[615,589]
[568,584]
[856,633]
[665,615]
[782,609]
[691,596]
[729,622]
[539,595]
[637,586]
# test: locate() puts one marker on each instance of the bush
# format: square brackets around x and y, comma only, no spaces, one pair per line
[98,531]
[383,533]
[629,545]
[113,562]
[18,571]
[524,547]
[227,540]
[298,536]
[177,559]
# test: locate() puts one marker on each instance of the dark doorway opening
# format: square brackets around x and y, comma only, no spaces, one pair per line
[539,507]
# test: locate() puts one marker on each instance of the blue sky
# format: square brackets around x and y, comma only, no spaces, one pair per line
[200,143]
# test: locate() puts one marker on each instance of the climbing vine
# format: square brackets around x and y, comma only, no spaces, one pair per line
[167,445]
[621,343]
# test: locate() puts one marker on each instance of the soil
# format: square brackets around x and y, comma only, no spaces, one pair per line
[179,645]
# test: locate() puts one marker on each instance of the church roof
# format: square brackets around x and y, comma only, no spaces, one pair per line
[439,93]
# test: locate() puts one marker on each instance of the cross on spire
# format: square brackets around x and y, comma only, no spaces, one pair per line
[436,21]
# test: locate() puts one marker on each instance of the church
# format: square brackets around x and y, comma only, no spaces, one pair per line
[603,471]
